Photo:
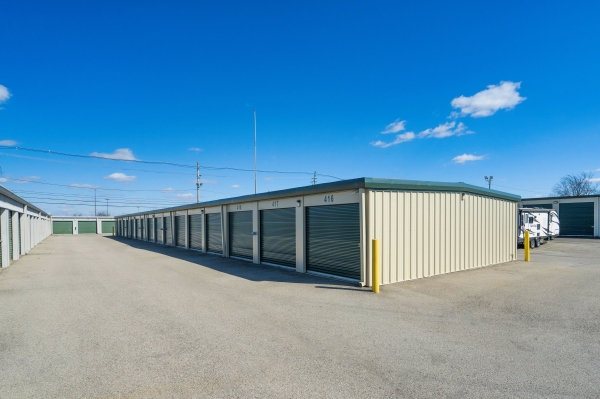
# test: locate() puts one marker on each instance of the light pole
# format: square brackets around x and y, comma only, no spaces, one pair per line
[107,207]
[254,151]
[489,180]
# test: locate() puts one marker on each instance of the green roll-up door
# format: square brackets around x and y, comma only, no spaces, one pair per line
[180,231]
[107,227]
[195,228]
[62,227]
[151,231]
[20,245]
[160,232]
[87,227]
[240,234]
[168,231]
[213,233]
[138,229]
[542,206]
[10,235]
[333,240]
[576,219]
[278,236]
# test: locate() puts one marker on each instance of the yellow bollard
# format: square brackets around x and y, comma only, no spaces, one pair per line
[375,274]
[526,247]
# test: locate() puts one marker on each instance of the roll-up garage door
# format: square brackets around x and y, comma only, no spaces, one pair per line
[333,240]
[168,231]
[213,233]
[107,227]
[62,227]
[180,231]
[151,232]
[87,227]
[138,230]
[240,234]
[160,233]
[278,236]
[195,227]
[10,235]
[19,235]
[576,219]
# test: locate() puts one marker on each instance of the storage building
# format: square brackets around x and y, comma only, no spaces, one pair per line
[83,224]
[578,216]
[425,228]
[22,226]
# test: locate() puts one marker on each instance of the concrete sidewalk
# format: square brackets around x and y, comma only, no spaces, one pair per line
[103,317]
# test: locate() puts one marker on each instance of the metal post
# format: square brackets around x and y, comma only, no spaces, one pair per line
[526,246]
[107,207]
[255,152]
[375,273]
[95,213]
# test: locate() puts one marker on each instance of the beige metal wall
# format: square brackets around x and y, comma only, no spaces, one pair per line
[424,234]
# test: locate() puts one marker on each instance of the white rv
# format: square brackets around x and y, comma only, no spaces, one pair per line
[542,224]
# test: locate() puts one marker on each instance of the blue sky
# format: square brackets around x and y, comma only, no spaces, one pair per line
[514,86]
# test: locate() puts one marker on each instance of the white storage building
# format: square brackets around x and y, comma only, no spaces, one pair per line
[425,228]
[22,226]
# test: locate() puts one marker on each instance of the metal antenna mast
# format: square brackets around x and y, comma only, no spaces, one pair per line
[314,179]
[255,152]
[198,184]
[489,180]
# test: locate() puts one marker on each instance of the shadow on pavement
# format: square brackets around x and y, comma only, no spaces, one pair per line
[238,268]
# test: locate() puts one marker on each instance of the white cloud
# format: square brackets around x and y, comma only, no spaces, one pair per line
[594,180]
[268,178]
[121,177]
[124,154]
[4,94]
[3,179]
[82,186]
[447,129]
[236,186]
[394,127]
[8,143]
[467,158]
[401,138]
[487,102]
[185,196]
[25,179]
[166,190]
[195,149]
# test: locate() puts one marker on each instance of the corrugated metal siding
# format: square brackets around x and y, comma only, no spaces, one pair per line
[213,233]
[168,231]
[333,240]
[240,234]
[195,229]
[425,234]
[278,236]
[180,231]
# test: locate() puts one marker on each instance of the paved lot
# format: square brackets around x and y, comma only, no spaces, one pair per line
[91,316]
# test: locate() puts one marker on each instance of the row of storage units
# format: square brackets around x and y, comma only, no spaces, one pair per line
[578,216]
[425,228]
[83,225]
[22,227]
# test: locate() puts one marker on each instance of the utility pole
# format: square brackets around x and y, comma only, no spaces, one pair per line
[255,152]
[198,184]
[95,213]
[489,180]
[107,207]
[314,179]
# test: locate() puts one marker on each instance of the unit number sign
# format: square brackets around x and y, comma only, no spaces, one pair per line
[329,198]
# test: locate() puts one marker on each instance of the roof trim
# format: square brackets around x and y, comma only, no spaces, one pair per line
[7,193]
[352,184]
[558,198]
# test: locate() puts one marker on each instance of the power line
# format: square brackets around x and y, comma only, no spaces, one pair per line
[180,165]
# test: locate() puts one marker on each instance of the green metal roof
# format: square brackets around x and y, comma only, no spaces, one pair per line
[352,184]
[558,198]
